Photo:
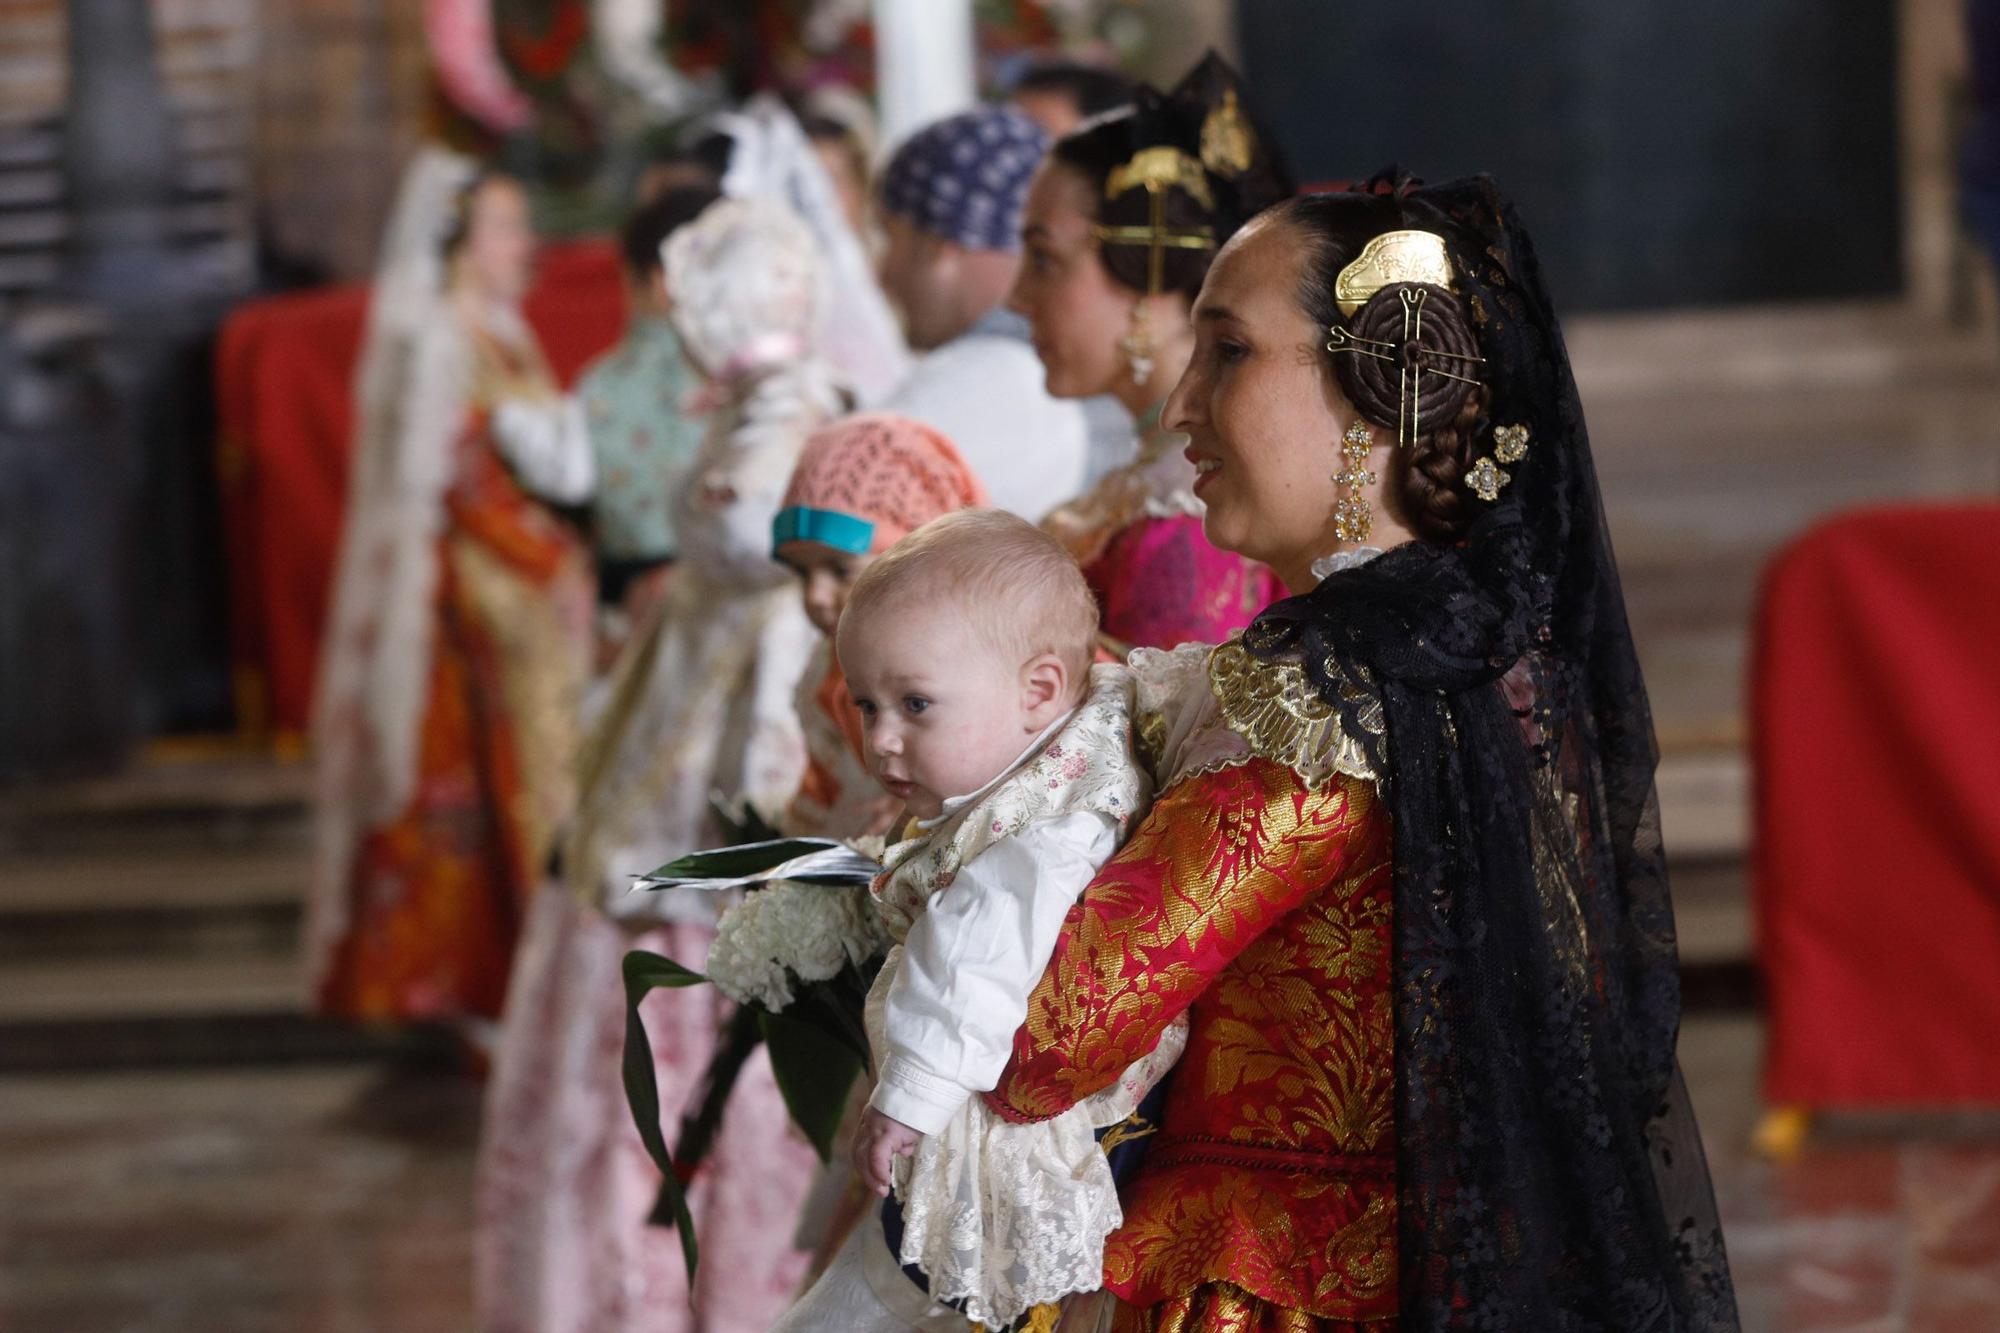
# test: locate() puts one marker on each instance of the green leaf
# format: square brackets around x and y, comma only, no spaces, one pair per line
[646,972]
[736,862]
[814,1073]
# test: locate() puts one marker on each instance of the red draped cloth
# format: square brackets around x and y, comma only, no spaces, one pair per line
[285,393]
[1875,702]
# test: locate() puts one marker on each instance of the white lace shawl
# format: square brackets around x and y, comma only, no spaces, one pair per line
[411,390]
[703,698]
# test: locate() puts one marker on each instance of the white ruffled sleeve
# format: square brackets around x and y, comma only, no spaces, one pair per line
[547,445]
[969,962]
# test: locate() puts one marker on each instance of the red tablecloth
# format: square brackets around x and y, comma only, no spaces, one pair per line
[1875,705]
[284,387]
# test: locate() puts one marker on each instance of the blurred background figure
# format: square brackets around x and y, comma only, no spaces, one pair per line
[951,204]
[446,721]
[642,430]
[770,155]
[1059,95]
[701,708]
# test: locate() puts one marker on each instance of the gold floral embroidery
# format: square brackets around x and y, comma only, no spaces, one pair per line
[1266,907]
[1361,1257]
[1274,707]
[1212,865]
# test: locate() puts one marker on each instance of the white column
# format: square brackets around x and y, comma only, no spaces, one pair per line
[923,63]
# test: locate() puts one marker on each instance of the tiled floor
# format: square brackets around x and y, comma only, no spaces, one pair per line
[1881,1225]
[308,1199]
[336,1199]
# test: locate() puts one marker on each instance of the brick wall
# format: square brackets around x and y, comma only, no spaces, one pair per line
[340,97]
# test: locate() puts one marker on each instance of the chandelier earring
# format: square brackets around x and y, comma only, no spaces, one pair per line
[1137,344]
[1353,519]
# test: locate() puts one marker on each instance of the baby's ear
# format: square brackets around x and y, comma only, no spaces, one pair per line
[1044,689]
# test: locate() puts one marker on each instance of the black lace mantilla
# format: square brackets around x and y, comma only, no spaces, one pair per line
[1550,1176]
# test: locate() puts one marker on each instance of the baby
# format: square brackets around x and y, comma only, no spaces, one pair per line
[967,648]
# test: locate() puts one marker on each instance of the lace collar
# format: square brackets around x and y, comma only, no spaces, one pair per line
[1328,565]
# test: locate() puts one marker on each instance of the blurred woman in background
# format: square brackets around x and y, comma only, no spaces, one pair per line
[445,727]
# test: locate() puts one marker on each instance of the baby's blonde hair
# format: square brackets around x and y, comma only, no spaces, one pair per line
[1014,583]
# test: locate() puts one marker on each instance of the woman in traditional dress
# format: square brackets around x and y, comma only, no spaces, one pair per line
[700,704]
[445,726]
[1121,223]
[1405,874]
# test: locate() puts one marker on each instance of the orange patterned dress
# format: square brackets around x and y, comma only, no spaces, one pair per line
[1255,897]
[439,894]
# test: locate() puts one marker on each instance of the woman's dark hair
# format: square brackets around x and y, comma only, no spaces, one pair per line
[1093,89]
[820,128]
[709,153]
[1425,482]
[1099,147]
[647,229]
[459,225]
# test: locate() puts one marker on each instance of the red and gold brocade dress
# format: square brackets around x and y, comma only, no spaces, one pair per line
[1254,897]
[1158,580]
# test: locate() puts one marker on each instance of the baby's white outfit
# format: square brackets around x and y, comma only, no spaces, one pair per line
[999,1216]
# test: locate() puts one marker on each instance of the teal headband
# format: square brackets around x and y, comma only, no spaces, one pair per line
[843,532]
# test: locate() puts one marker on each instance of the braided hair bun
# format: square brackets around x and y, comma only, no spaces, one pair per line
[1420,328]
[1402,326]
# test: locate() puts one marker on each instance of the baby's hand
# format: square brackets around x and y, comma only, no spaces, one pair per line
[877,1145]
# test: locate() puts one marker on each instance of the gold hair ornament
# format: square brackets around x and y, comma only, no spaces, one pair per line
[1410,257]
[1392,257]
[1510,445]
[1157,170]
[1228,146]
[1486,480]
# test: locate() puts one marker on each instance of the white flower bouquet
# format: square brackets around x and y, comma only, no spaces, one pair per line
[798,954]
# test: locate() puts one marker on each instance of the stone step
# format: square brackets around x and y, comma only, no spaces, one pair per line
[122,879]
[242,901]
[180,797]
[208,1040]
[150,984]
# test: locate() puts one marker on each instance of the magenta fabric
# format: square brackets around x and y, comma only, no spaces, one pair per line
[1161,583]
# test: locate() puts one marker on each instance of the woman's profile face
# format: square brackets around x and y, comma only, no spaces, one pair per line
[1263,416]
[498,253]
[1076,310]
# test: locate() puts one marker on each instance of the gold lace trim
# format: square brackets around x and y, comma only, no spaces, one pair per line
[1274,708]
